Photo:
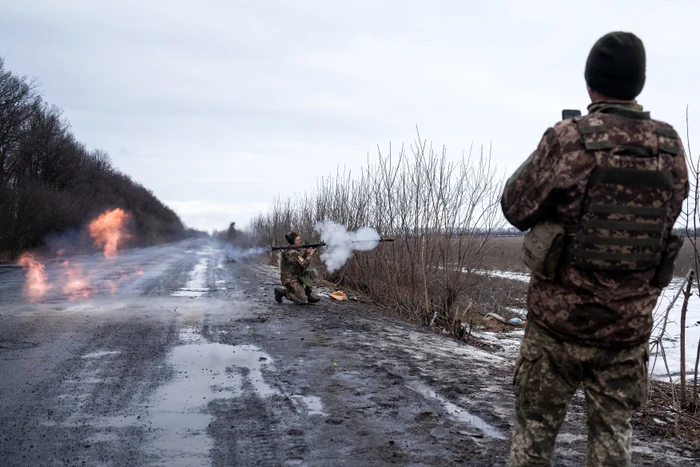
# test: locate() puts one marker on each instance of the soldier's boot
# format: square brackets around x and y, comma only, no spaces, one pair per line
[310,297]
[280,293]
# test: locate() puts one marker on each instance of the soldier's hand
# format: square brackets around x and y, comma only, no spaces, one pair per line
[310,251]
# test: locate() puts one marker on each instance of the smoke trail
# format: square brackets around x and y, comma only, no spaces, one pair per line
[340,243]
[233,253]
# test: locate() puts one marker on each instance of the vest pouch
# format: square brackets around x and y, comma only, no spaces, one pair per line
[664,271]
[542,249]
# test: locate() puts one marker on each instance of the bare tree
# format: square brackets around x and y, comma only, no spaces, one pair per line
[442,212]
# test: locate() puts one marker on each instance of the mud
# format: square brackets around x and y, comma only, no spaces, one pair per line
[193,363]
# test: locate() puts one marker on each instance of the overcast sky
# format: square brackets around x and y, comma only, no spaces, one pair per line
[220,106]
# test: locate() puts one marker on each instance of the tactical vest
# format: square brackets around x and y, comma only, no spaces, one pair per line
[624,224]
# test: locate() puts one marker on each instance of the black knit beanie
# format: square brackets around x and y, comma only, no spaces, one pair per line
[616,66]
[290,237]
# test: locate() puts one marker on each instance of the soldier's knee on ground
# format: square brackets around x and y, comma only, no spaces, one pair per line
[296,293]
[298,299]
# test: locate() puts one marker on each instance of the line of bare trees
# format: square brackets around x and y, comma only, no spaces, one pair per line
[50,182]
[684,398]
[443,213]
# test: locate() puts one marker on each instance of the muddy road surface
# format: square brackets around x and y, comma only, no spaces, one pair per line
[172,356]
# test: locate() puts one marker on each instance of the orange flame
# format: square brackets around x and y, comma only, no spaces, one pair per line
[112,287]
[108,230]
[36,285]
[77,286]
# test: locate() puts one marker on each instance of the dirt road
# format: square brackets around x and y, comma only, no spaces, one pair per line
[192,363]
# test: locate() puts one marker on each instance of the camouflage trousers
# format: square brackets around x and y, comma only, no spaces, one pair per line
[548,373]
[298,288]
[296,291]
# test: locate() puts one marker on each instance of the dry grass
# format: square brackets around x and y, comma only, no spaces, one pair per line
[664,418]
[686,259]
[504,255]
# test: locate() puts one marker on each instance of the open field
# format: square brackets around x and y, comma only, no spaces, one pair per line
[503,254]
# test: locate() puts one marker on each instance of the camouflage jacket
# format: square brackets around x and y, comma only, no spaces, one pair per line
[294,263]
[596,308]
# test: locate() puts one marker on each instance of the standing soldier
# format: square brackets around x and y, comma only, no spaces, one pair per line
[295,274]
[600,195]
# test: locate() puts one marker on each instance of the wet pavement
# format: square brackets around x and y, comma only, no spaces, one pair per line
[179,357]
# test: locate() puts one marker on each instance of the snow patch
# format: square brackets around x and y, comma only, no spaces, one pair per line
[672,336]
[196,285]
[101,353]
[457,412]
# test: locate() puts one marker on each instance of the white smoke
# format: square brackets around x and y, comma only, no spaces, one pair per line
[340,243]
[233,253]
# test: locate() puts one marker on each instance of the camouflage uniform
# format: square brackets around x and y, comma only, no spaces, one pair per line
[589,327]
[295,275]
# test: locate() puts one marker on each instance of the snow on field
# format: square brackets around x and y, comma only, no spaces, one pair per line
[518,276]
[671,339]
[509,341]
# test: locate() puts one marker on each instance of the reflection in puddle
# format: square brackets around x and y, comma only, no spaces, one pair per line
[205,371]
[174,419]
[458,412]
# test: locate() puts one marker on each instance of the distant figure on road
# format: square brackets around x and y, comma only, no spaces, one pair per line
[295,274]
[600,195]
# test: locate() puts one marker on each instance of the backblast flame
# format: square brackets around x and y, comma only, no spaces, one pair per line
[108,230]
[36,285]
[77,285]
[111,287]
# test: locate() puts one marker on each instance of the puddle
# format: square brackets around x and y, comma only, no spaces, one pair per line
[312,404]
[458,412]
[175,418]
[196,285]
[101,353]
[252,358]
[205,371]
